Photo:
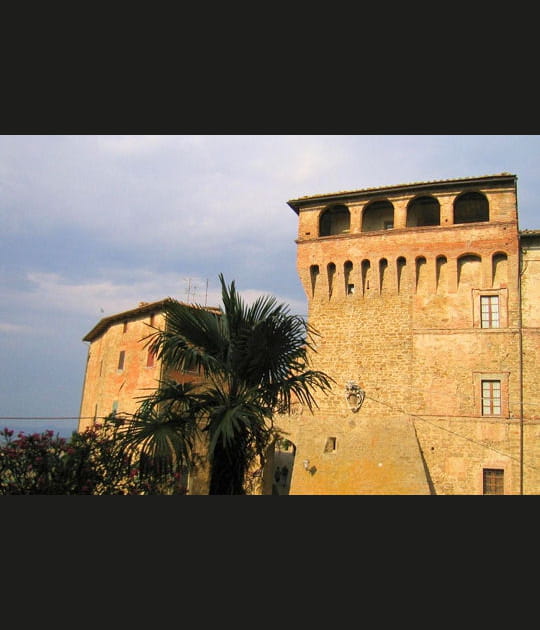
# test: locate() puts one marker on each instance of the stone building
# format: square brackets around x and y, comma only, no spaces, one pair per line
[426,300]
[120,369]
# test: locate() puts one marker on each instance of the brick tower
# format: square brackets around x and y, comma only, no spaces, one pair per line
[415,292]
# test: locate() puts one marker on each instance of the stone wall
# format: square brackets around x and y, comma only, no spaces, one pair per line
[398,312]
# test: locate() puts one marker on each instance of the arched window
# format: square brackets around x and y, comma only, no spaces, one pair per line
[335,220]
[471,207]
[378,215]
[423,211]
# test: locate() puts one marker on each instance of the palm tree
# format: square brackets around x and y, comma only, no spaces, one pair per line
[254,364]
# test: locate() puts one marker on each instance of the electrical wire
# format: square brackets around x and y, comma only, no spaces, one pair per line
[463,437]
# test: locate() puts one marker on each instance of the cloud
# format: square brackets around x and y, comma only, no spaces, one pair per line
[131,145]
[94,224]
[8,328]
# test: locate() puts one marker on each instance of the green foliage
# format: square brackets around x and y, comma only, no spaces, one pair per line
[89,463]
[254,361]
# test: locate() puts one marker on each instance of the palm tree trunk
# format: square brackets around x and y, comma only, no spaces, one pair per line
[227,471]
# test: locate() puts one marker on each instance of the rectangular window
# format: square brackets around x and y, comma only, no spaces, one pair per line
[121,358]
[491,398]
[493,481]
[150,360]
[152,320]
[330,445]
[125,327]
[489,311]
[350,289]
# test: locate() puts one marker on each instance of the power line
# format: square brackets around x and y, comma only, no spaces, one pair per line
[438,426]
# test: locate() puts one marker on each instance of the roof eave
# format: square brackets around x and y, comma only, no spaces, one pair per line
[298,204]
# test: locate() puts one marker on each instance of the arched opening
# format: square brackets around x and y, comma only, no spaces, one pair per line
[442,274]
[421,275]
[378,215]
[471,207]
[423,211]
[366,276]
[335,220]
[331,271]
[347,274]
[499,269]
[469,270]
[283,464]
[401,263]
[313,274]
[383,280]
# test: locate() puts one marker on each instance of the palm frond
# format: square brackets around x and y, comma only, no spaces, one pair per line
[160,432]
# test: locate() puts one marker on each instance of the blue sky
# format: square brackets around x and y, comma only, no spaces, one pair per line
[94,224]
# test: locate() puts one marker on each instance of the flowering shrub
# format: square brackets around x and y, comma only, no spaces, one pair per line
[87,463]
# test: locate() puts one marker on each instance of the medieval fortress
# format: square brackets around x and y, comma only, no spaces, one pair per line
[425,298]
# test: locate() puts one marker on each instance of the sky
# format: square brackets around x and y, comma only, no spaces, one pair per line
[94,224]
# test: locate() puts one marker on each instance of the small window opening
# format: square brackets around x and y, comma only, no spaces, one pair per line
[330,445]
[121,359]
[493,481]
[125,327]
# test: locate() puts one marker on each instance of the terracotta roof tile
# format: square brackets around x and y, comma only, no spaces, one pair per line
[292,202]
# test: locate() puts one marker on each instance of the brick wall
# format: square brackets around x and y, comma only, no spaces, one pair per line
[409,333]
